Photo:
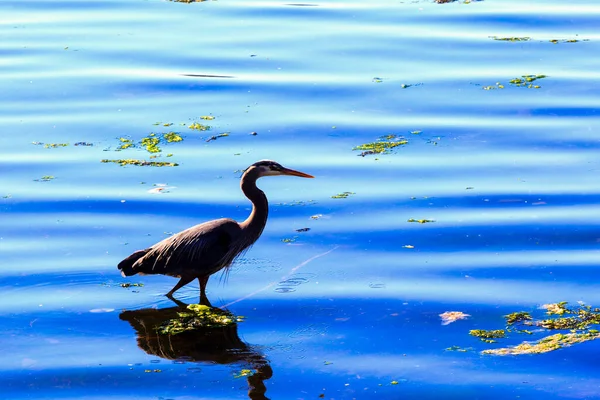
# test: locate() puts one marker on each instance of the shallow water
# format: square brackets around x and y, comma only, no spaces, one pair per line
[344,310]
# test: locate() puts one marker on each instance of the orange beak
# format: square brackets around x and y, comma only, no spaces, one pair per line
[287,171]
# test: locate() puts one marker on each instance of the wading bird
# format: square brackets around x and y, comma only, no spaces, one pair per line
[200,251]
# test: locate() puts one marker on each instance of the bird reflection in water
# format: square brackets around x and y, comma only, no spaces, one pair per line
[221,345]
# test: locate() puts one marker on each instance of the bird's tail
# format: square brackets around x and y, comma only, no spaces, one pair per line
[126,266]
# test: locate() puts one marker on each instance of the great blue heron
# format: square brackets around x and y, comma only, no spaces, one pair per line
[200,251]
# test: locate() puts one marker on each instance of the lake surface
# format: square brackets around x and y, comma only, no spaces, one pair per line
[507,174]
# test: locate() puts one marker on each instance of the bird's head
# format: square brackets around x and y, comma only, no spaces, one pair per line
[271,168]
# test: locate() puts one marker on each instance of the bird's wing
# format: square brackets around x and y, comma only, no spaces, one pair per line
[200,249]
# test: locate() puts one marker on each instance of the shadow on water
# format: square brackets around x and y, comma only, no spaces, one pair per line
[215,345]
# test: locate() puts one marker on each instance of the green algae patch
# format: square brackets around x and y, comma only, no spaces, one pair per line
[577,319]
[198,316]
[140,163]
[150,143]
[527,81]
[498,85]
[459,349]
[55,145]
[199,127]
[289,240]
[420,221]
[125,143]
[383,145]
[512,39]
[243,373]
[580,320]
[488,336]
[172,137]
[545,345]
[45,178]
[128,285]
[516,317]
[343,195]
[207,117]
[557,41]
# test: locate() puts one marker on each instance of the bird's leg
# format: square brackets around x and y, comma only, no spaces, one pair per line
[203,280]
[182,282]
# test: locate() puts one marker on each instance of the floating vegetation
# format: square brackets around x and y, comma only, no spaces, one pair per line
[220,135]
[449,317]
[405,86]
[45,178]
[297,203]
[523,81]
[488,336]
[383,145]
[128,285]
[512,39]
[199,127]
[289,240]
[578,320]
[140,163]
[492,87]
[55,145]
[377,80]
[516,317]
[420,221]
[171,137]
[167,124]
[198,317]
[7,196]
[303,230]
[557,41]
[150,143]
[459,349]
[243,373]
[526,81]
[416,132]
[342,195]
[207,117]
[125,143]
[545,345]
[316,216]
[86,144]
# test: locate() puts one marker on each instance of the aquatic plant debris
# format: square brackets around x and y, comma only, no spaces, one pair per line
[488,336]
[243,373]
[526,81]
[420,221]
[55,145]
[515,317]
[545,345]
[128,285]
[199,127]
[579,320]
[512,39]
[342,195]
[198,316]
[523,81]
[220,135]
[140,163]
[383,145]
[45,178]
[449,317]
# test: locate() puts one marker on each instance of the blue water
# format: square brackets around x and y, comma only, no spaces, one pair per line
[345,310]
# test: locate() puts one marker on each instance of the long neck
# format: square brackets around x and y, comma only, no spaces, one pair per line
[257,220]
